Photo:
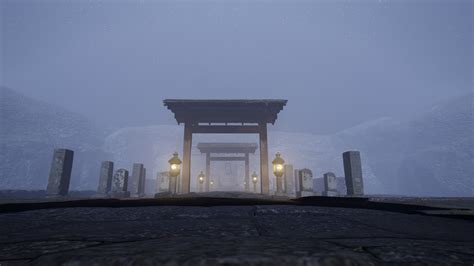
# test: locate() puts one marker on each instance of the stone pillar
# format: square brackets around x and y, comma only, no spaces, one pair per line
[208,171]
[330,185]
[120,184]
[173,185]
[141,190]
[353,173]
[163,182]
[289,179]
[105,178]
[186,167]
[264,178]
[305,177]
[60,173]
[297,181]
[137,173]
[279,185]
[247,173]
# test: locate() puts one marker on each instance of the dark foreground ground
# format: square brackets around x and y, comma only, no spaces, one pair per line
[236,231]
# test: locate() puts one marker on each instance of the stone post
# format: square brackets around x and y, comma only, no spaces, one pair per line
[330,185]
[353,173]
[173,184]
[137,174]
[60,173]
[289,179]
[105,178]
[141,190]
[305,180]
[120,184]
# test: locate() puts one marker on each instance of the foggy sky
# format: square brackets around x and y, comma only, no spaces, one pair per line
[338,63]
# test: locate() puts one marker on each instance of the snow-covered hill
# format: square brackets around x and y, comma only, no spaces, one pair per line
[30,130]
[431,154]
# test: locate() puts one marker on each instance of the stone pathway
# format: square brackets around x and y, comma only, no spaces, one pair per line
[232,235]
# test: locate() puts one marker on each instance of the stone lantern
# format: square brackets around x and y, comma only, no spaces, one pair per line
[254,181]
[278,170]
[175,168]
[201,177]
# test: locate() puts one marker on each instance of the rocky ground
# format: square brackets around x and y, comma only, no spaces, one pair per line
[246,232]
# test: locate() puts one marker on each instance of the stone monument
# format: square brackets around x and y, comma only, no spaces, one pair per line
[305,180]
[105,178]
[353,173]
[330,185]
[120,184]
[141,190]
[289,180]
[137,174]
[163,182]
[60,173]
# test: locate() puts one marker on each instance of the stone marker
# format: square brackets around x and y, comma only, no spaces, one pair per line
[305,177]
[60,173]
[330,185]
[137,174]
[120,184]
[289,179]
[353,173]
[105,178]
[163,182]
[297,180]
[141,190]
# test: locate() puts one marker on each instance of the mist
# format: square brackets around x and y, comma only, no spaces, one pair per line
[338,63]
[392,79]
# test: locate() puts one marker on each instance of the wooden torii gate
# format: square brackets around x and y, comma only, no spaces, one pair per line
[210,148]
[225,116]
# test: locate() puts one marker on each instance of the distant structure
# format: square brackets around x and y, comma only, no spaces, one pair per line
[105,177]
[353,173]
[60,173]
[210,148]
[225,116]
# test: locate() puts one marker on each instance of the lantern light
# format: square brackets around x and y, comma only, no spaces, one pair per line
[278,165]
[175,165]
[201,177]
[254,177]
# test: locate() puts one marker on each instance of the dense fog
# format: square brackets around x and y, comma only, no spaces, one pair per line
[393,79]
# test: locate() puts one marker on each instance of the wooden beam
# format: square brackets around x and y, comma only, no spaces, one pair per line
[227,158]
[208,171]
[247,173]
[264,178]
[226,129]
[186,167]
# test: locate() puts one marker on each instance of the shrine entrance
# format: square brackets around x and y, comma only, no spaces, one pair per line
[225,117]
[211,149]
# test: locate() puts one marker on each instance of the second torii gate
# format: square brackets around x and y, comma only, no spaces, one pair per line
[210,148]
[225,116]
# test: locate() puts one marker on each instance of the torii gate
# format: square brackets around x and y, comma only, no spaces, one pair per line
[225,116]
[210,148]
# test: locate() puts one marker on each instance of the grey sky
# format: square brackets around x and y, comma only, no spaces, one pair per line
[338,63]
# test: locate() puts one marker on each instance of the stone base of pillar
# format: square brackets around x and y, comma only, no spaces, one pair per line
[300,194]
[120,194]
[330,193]
[280,194]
